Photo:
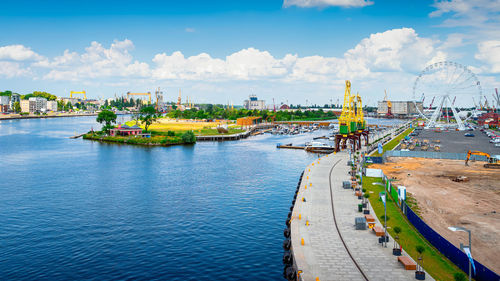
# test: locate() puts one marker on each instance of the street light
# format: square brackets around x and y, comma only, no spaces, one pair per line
[459,228]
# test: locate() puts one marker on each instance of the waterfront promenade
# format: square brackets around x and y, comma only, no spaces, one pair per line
[332,249]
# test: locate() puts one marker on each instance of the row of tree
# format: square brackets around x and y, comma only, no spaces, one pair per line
[216,112]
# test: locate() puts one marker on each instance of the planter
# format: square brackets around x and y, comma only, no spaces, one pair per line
[366,212]
[364,205]
[360,208]
[396,251]
[420,275]
[360,197]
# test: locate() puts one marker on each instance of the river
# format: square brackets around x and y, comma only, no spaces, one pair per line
[77,209]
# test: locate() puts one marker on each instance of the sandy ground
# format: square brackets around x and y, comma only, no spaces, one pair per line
[474,204]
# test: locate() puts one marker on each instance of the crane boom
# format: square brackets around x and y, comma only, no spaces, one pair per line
[71,93]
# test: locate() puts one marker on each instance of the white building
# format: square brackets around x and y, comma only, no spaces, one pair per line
[399,108]
[4,100]
[37,104]
[253,103]
[51,105]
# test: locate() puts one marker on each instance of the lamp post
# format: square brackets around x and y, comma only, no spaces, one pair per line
[458,228]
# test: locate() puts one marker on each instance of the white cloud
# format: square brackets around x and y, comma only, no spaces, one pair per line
[97,62]
[243,65]
[392,50]
[18,53]
[467,12]
[488,52]
[12,69]
[326,3]
[190,29]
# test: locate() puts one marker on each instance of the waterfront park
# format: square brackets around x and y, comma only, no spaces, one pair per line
[297,140]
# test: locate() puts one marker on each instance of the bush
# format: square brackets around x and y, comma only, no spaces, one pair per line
[188,137]
[459,276]
[171,134]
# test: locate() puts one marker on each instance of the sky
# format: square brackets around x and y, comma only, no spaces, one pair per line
[289,51]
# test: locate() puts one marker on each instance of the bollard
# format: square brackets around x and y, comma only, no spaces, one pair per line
[302,242]
[310,184]
[300,216]
[307,223]
[307,177]
[317,278]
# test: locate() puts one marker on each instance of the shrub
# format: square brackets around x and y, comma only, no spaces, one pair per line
[188,137]
[459,276]
[170,133]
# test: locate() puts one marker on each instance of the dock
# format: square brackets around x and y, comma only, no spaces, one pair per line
[290,146]
[77,136]
[324,241]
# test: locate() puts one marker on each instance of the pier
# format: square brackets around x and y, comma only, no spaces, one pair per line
[324,241]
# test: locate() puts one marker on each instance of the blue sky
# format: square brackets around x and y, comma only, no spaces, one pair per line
[287,50]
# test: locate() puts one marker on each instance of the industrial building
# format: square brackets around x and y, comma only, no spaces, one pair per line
[254,103]
[398,108]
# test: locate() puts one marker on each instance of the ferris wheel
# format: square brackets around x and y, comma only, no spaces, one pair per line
[446,86]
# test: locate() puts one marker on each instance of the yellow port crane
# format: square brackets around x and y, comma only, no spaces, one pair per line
[71,93]
[493,162]
[360,119]
[389,104]
[140,94]
[345,116]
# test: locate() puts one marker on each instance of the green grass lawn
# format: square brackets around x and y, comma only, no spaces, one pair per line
[434,262]
[211,132]
[394,142]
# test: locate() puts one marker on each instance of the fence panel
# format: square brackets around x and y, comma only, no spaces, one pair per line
[433,155]
[453,253]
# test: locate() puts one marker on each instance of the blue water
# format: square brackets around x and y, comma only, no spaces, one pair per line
[76,209]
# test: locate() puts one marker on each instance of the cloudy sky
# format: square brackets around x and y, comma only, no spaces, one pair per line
[220,51]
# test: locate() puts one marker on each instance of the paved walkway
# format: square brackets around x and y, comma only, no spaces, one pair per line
[323,254]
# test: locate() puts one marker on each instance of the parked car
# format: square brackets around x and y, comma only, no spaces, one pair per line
[497,144]
[469,135]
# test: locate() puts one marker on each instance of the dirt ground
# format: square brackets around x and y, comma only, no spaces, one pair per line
[474,204]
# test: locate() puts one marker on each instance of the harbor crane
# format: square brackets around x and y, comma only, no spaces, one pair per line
[148,94]
[71,93]
[351,122]
[389,104]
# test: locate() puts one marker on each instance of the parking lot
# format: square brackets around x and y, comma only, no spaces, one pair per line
[456,142]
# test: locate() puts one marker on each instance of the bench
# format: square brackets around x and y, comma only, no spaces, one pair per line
[407,262]
[379,231]
[369,218]
[359,193]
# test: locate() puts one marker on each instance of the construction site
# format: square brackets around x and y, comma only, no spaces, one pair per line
[447,193]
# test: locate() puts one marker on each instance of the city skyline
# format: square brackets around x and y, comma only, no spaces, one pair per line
[221,52]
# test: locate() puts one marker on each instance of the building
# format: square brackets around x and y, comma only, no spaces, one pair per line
[248,121]
[4,103]
[399,108]
[253,103]
[51,105]
[125,130]
[37,104]
[13,99]
[490,119]
[25,105]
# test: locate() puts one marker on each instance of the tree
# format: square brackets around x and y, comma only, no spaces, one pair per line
[107,117]
[148,116]
[17,107]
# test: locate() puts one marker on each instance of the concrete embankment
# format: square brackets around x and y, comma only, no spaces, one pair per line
[324,243]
